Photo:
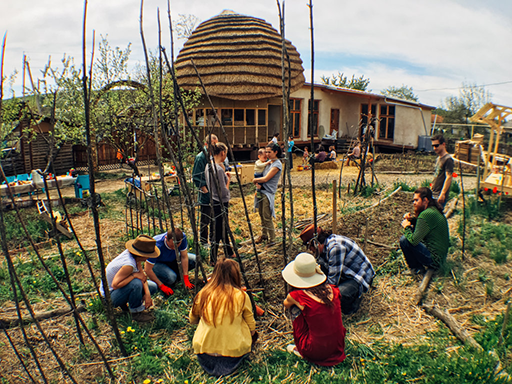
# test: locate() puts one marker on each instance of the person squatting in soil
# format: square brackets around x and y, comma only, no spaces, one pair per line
[265,200]
[426,237]
[443,173]
[164,270]
[199,179]
[315,309]
[227,329]
[215,173]
[344,263]
[127,283]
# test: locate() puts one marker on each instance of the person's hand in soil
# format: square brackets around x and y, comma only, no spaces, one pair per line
[165,289]
[188,284]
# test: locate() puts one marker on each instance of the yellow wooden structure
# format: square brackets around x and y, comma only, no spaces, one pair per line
[497,170]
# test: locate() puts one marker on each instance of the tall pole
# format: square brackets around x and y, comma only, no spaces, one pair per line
[311,111]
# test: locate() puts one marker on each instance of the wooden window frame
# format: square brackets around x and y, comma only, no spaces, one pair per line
[293,113]
[384,121]
[315,113]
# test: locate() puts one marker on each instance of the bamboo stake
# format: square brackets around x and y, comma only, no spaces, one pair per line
[94,210]
[311,115]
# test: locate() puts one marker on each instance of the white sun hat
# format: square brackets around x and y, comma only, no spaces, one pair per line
[303,272]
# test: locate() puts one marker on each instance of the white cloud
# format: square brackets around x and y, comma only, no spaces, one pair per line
[433,44]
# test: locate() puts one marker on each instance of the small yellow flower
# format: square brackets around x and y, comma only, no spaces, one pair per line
[34,281]
[186,381]
[129,329]
[90,304]
[134,347]
[122,332]
[147,381]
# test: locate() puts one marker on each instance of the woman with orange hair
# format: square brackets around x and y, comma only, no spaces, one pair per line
[226,321]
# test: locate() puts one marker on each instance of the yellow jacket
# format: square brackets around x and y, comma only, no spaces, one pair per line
[228,338]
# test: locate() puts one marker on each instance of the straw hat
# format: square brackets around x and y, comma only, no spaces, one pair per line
[303,272]
[143,246]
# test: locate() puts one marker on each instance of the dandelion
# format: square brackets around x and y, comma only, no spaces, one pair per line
[34,282]
[122,332]
[90,304]
[147,381]
[186,381]
[134,347]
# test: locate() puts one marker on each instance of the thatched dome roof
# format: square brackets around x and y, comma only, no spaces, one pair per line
[238,58]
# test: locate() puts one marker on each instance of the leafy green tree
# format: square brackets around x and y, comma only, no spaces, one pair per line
[359,83]
[404,92]
[457,109]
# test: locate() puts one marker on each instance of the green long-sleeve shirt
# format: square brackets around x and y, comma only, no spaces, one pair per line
[431,229]
[199,178]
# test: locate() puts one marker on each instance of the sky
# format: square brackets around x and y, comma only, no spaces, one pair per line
[433,46]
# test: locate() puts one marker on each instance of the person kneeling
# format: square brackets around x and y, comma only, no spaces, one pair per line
[226,327]
[315,306]
[127,283]
[426,236]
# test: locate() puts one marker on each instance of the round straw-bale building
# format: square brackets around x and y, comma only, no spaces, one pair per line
[238,57]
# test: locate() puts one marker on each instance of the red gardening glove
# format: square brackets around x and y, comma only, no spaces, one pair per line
[188,284]
[165,289]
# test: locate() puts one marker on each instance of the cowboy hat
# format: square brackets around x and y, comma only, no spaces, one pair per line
[143,246]
[303,272]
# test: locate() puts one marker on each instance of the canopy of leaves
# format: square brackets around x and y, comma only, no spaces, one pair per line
[458,109]
[404,92]
[359,83]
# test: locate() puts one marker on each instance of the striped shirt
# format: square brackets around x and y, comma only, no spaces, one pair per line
[431,229]
[125,258]
[343,259]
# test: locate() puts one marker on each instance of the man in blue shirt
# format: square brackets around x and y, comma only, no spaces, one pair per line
[344,263]
[164,270]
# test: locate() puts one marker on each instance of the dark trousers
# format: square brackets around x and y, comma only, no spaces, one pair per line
[290,159]
[415,256]
[221,231]
[350,297]
[206,219]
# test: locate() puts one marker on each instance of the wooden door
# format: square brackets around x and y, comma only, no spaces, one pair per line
[335,121]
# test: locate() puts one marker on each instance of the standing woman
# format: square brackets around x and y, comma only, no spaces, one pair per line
[220,198]
[226,321]
[266,198]
[315,305]
[291,143]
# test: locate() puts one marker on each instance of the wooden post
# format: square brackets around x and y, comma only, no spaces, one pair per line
[334,207]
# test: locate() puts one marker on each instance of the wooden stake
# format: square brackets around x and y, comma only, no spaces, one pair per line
[334,207]
[423,286]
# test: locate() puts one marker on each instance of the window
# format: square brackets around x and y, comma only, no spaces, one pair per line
[250,117]
[199,117]
[295,116]
[227,116]
[365,117]
[262,117]
[315,118]
[387,122]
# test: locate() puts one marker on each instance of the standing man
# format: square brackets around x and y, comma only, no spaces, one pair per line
[164,269]
[127,283]
[199,179]
[426,237]
[344,263]
[444,171]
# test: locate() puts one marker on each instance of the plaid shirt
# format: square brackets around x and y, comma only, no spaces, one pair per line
[343,259]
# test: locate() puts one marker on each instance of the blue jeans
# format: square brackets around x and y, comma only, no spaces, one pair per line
[415,256]
[350,296]
[132,294]
[167,275]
